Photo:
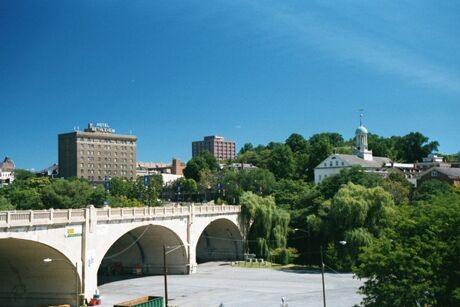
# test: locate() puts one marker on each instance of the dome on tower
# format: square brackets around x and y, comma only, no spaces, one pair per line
[361,130]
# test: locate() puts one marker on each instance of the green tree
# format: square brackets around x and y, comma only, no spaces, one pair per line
[281,161]
[22,174]
[452,157]
[188,189]
[124,202]
[265,224]
[414,147]
[399,188]
[289,192]
[259,181]
[301,150]
[121,187]
[382,147]
[249,156]
[26,199]
[320,148]
[333,138]
[297,143]
[415,262]
[430,188]
[232,186]
[5,204]
[203,161]
[66,194]
[96,196]
[357,215]
[355,174]
[246,147]
[147,194]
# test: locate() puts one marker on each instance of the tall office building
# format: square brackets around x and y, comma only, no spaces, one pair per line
[97,153]
[217,146]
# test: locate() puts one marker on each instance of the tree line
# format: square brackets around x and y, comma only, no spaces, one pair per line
[403,240]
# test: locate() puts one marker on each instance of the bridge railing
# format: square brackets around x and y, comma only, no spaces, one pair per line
[216,209]
[144,212]
[104,214]
[67,216]
[41,217]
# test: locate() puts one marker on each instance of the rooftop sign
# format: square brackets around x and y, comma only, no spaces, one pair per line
[99,127]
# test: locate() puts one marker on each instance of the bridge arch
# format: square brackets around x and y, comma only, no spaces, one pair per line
[219,240]
[27,280]
[139,251]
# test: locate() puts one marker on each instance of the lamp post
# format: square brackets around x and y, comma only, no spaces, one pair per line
[343,242]
[322,266]
[322,274]
[75,270]
[165,270]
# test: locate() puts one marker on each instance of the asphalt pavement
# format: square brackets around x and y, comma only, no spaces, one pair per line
[220,284]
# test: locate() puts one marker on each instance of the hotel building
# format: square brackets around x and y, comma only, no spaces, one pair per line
[97,153]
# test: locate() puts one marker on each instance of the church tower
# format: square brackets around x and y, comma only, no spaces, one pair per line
[361,149]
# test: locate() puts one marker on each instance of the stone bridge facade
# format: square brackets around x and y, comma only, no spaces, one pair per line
[87,247]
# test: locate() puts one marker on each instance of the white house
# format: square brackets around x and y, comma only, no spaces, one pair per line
[361,156]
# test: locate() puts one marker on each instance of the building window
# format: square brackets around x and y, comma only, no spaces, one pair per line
[434,174]
[336,163]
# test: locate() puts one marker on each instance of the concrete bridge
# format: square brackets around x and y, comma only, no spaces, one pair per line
[87,247]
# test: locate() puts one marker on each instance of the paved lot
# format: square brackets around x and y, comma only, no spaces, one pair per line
[219,283]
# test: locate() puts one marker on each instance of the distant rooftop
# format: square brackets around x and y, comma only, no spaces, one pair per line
[213,137]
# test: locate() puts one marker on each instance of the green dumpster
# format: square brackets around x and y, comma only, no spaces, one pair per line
[145,301]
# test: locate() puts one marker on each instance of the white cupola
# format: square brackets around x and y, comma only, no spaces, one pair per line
[361,149]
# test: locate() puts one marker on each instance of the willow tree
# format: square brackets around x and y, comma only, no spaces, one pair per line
[266,225]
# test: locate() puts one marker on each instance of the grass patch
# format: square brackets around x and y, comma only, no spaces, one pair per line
[271,265]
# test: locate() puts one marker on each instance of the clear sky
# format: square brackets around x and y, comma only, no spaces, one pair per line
[172,72]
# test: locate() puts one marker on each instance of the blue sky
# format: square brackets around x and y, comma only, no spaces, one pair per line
[172,72]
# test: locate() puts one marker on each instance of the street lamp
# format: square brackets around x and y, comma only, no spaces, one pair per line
[165,270]
[75,270]
[322,266]
[343,242]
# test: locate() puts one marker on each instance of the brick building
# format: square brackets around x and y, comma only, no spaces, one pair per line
[217,146]
[446,174]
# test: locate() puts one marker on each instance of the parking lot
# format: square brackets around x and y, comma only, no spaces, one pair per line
[220,284]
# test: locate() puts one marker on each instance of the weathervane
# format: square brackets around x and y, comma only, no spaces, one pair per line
[361,117]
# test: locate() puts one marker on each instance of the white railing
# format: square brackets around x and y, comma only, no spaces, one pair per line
[206,210]
[165,211]
[62,216]
[41,217]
